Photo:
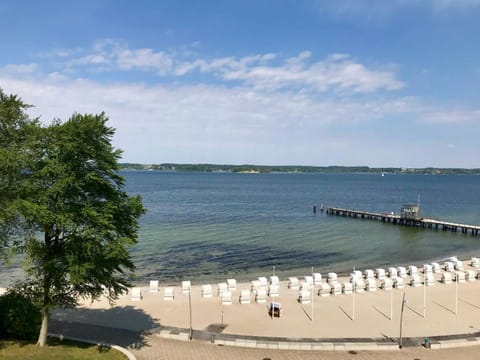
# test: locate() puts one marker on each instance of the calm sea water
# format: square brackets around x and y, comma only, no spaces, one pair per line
[209,226]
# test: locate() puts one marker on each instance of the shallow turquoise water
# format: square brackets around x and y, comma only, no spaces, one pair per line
[207,226]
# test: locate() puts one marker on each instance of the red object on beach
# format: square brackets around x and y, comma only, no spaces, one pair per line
[276,309]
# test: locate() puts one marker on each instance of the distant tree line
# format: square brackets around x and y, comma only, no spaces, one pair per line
[297,169]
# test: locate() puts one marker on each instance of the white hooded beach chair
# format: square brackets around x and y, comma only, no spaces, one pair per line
[401,271]
[273,290]
[293,282]
[317,278]
[261,296]
[323,289]
[274,280]
[168,293]
[470,275]
[398,283]
[453,259]
[136,294]
[429,279]
[186,286]
[415,280]
[336,288]
[305,286]
[380,274]
[357,274]
[255,285]
[386,284]
[154,286]
[263,282]
[358,285]
[226,298]
[244,297]
[207,291]
[427,269]
[304,297]
[458,265]
[347,287]
[436,267]
[446,278]
[232,284]
[460,276]
[308,280]
[332,278]
[221,288]
[475,262]
[392,272]
[371,285]
[449,266]
[412,270]
[369,274]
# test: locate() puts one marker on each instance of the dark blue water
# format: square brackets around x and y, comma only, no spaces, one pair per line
[207,226]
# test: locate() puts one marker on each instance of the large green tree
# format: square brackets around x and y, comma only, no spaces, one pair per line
[65,208]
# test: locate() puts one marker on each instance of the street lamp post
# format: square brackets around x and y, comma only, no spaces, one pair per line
[401,320]
[354,288]
[456,293]
[190,312]
[391,304]
[312,290]
[424,297]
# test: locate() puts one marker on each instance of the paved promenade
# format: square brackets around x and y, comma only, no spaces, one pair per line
[449,314]
[152,347]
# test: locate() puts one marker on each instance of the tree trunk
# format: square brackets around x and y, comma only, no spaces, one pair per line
[42,337]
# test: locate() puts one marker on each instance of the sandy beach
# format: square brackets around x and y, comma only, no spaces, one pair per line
[328,317]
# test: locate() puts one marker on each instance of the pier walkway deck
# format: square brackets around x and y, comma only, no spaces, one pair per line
[399,220]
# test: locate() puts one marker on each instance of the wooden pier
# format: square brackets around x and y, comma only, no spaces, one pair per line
[406,221]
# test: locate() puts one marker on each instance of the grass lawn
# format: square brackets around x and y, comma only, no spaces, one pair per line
[56,349]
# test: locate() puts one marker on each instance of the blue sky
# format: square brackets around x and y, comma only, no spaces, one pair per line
[318,82]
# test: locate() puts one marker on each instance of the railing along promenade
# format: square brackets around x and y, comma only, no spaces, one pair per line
[398,220]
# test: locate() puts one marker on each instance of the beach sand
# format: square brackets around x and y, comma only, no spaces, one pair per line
[329,317]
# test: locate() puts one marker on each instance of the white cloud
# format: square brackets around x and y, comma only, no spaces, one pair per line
[19,69]
[451,117]
[261,108]
[200,122]
[443,5]
[337,72]
[378,11]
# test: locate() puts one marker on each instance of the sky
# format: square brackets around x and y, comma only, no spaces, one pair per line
[273,82]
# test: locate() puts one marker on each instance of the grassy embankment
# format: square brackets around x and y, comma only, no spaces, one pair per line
[57,350]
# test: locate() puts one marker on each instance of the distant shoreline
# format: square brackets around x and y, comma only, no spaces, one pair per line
[265,169]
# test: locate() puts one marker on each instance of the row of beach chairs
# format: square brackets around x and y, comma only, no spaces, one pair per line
[394,277]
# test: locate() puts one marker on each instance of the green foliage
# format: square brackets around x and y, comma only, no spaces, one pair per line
[19,316]
[297,169]
[57,350]
[65,207]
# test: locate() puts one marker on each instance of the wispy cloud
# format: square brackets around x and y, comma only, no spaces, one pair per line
[382,10]
[340,73]
[20,68]
[201,122]
[443,5]
[249,108]
[451,117]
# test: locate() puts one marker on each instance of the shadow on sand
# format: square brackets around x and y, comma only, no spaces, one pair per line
[126,326]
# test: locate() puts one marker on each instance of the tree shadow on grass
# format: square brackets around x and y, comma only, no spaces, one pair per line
[125,326]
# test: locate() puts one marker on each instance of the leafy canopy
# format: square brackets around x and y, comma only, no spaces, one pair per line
[63,205]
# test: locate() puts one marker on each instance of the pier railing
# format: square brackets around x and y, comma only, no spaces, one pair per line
[399,220]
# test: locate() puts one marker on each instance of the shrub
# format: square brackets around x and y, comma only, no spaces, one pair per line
[19,317]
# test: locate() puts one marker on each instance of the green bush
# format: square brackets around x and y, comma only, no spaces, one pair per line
[19,317]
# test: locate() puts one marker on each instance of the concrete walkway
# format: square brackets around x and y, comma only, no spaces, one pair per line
[152,347]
